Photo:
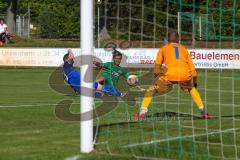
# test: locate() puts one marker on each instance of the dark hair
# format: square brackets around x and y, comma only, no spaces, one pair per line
[116,53]
[65,57]
[1,19]
[173,37]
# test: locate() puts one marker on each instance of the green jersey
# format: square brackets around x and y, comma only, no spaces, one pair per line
[112,73]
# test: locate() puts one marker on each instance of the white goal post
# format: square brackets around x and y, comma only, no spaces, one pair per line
[86,102]
[199,27]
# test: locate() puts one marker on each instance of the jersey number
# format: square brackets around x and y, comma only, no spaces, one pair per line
[176,52]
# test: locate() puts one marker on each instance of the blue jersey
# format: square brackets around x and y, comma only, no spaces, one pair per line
[72,76]
[68,68]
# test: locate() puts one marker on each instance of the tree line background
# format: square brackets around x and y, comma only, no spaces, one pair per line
[124,19]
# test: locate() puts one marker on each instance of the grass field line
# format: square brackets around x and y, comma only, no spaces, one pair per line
[180,137]
[200,88]
[31,105]
[36,131]
[130,156]
[115,155]
[175,103]
[202,75]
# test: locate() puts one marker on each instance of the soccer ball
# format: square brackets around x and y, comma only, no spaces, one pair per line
[132,80]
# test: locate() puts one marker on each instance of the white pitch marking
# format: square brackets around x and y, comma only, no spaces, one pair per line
[176,138]
[32,105]
[73,158]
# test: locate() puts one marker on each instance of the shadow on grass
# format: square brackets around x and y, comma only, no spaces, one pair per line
[156,117]
[163,116]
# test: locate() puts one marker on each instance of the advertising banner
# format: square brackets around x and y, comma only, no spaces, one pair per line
[134,57]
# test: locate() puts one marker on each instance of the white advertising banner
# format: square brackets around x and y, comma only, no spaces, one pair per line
[202,58]
[216,58]
[42,57]
[31,57]
[52,57]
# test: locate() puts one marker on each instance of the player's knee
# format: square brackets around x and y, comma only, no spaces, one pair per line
[101,80]
[97,86]
[163,90]
[152,89]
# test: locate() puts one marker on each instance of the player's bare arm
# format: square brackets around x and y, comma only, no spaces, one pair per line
[98,64]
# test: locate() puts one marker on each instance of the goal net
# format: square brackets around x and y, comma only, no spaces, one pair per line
[173,128]
[194,27]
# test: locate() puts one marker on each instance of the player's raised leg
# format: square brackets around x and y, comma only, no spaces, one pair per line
[161,86]
[147,99]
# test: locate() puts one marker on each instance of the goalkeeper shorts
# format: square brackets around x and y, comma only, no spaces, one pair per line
[163,86]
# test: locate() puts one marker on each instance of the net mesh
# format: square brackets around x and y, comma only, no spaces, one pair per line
[173,128]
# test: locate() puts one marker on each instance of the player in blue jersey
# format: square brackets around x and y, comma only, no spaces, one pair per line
[71,75]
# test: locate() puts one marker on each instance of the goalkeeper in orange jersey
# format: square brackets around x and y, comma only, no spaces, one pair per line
[178,69]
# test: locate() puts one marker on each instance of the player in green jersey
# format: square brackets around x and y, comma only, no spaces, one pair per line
[110,74]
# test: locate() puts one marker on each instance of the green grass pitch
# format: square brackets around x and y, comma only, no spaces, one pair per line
[29,128]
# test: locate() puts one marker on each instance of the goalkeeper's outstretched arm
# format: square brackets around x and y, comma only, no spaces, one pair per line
[158,63]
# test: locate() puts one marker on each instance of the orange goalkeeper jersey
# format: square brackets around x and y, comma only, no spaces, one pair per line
[178,62]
